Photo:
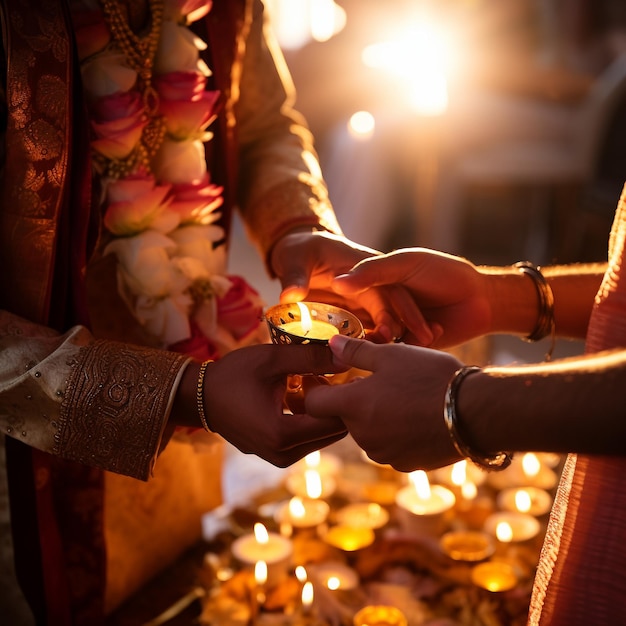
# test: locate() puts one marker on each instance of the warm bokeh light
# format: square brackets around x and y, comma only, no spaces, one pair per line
[531,464]
[260,572]
[260,533]
[297,22]
[301,574]
[469,490]
[307,595]
[312,460]
[313,482]
[421,57]
[333,583]
[459,473]
[522,500]
[361,125]
[504,532]
[327,19]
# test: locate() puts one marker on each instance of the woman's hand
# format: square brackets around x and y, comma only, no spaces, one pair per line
[396,414]
[307,262]
[451,296]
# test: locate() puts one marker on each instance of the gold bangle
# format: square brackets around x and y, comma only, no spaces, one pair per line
[492,462]
[200,395]
[545,321]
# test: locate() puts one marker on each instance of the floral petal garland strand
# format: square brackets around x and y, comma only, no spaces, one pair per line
[160,206]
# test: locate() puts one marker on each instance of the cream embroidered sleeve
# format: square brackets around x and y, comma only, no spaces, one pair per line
[100,403]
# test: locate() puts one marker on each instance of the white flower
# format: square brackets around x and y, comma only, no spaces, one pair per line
[179,162]
[166,318]
[107,73]
[196,242]
[178,50]
[145,265]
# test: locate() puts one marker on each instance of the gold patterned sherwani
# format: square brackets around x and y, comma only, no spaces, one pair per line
[84,395]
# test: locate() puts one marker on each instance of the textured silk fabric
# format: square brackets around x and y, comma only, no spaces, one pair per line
[84,396]
[43,200]
[581,579]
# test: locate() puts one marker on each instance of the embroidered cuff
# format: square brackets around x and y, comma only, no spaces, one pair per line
[116,406]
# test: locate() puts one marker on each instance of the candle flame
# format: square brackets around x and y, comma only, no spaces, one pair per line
[312,460]
[307,594]
[522,500]
[419,480]
[531,464]
[305,317]
[313,483]
[301,574]
[333,583]
[504,532]
[296,508]
[459,473]
[260,533]
[260,572]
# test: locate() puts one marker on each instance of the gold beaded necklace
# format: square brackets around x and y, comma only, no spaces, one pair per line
[140,51]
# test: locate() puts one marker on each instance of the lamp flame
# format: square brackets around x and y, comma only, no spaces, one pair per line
[305,317]
[531,464]
[504,532]
[313,482]
[260,533]
[420,482]
[522,500]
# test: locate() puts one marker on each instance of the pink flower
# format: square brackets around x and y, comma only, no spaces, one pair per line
[240,310]
[196,346]
[118,122]
[180,85]
[187,108]
[197,202]
[136,203]
[92,34]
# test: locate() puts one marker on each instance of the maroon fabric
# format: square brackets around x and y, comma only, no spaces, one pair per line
[46,233]
[581,579]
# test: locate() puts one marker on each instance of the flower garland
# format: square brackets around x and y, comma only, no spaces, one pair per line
[149,113]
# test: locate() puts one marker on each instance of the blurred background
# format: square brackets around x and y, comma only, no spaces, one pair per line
[494,129]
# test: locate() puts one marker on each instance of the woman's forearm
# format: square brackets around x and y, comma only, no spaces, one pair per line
[515,304]
[574,405]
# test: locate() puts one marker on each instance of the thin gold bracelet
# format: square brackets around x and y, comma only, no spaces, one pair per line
[200,395]
[545,321]
[491,462]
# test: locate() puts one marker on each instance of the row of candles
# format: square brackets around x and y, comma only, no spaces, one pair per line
[420,508]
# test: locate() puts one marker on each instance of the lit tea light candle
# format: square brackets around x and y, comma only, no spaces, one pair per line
[260,572]
[525,471]
[308,327]
[271,548]
[310,484]
[458,473]
[325,463]
[307,597]
[494,576]
[363,515]
[531,500]
[335,575]
[420,505]
[512,526]
[380,615]
[303,512]
[466,545]
[348,538]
